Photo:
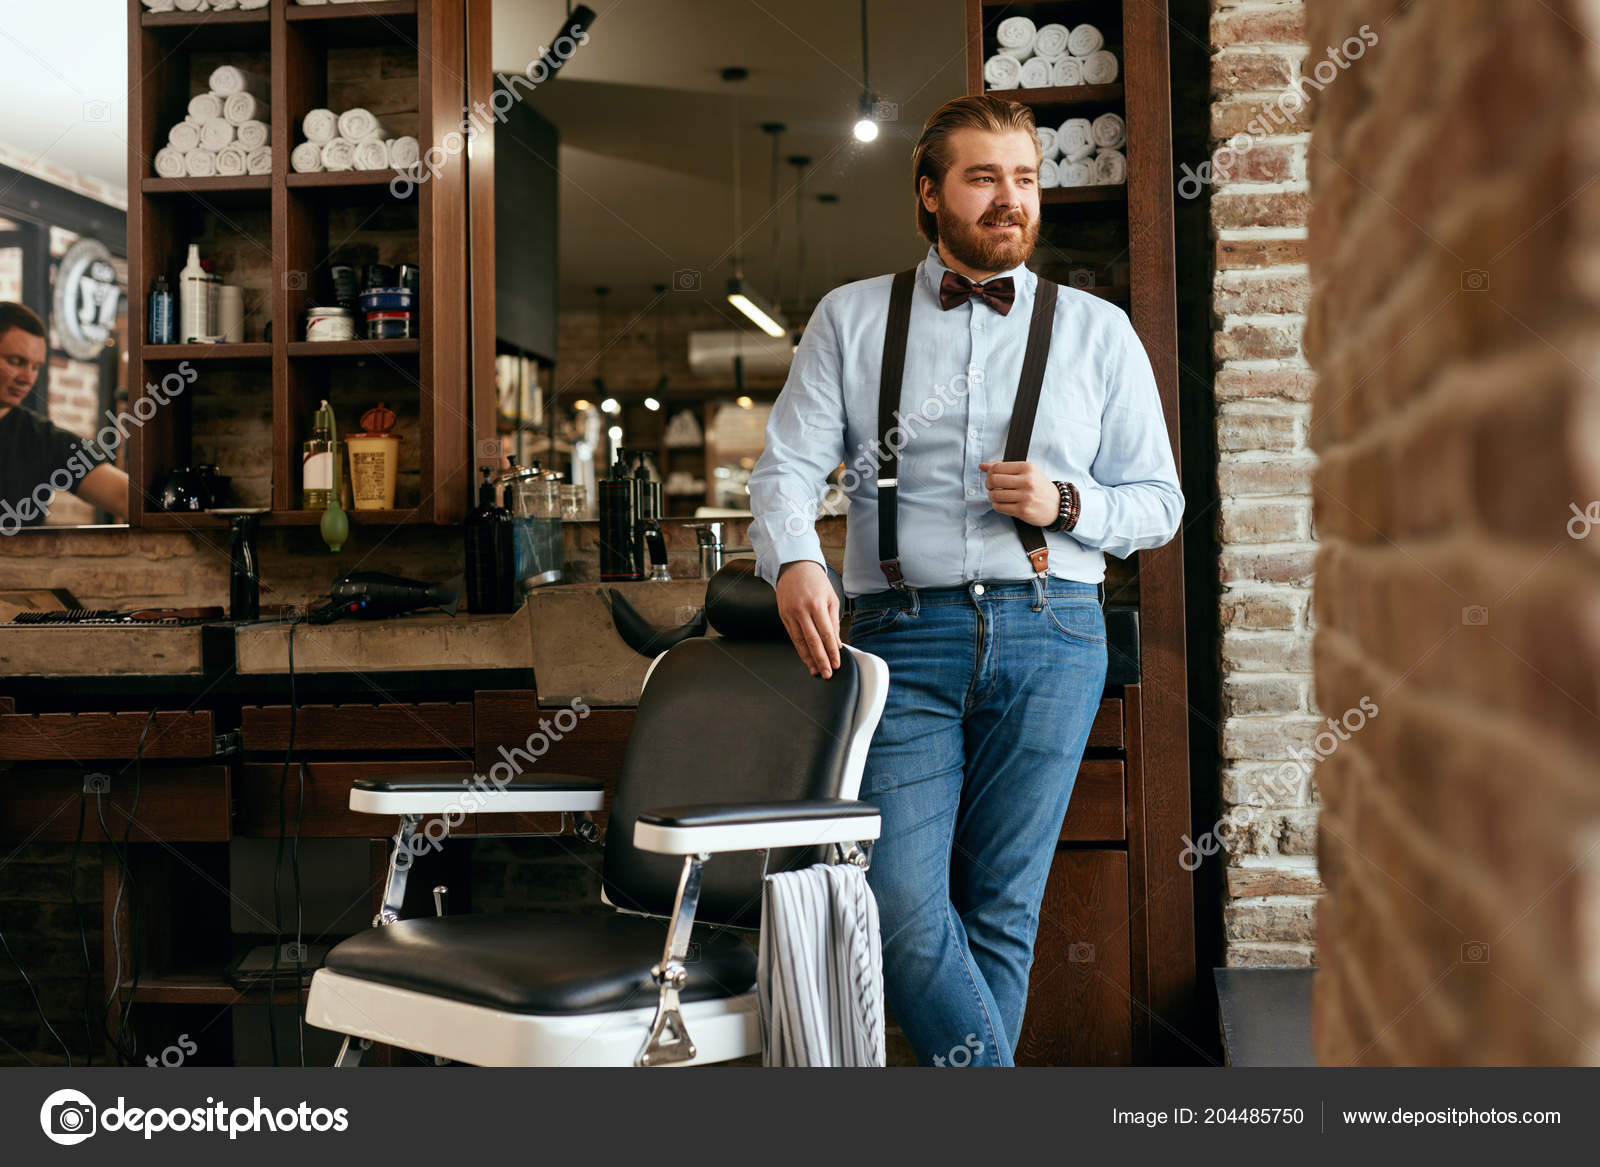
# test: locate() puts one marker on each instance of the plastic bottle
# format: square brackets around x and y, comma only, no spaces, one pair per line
[491,556]
[161,321]
[194,298]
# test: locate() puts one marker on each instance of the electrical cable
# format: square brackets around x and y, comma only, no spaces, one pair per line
[34,993]
[277,867]
[83,932]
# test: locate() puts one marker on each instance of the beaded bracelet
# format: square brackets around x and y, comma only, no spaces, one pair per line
[1068,515]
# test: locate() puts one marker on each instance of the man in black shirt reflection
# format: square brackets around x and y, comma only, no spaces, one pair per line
[38,458]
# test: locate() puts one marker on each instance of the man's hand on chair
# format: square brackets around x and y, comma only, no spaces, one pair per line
[810,611]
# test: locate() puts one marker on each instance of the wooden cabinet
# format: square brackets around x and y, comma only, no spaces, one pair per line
[247,407]
[1130,900]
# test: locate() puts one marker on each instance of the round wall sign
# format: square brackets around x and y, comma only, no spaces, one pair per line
[87,297]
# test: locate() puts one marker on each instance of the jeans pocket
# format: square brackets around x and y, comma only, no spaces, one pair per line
[868,623]
[1078,618]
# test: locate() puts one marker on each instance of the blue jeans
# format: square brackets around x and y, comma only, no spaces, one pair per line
[992,690]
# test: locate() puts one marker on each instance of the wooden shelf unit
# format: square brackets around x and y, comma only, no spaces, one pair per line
[1134,999]
[275,235]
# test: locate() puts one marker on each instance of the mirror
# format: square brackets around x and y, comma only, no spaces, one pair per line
[63,267]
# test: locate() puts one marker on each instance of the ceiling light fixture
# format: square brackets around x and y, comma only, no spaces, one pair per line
[866,127]
[760,311]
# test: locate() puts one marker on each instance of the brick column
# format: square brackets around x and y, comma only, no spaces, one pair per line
[1259,205]
[1454,328]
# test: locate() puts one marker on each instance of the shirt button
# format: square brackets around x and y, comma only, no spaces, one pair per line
[978,324]
[977,589]
[972,433]
[972,490]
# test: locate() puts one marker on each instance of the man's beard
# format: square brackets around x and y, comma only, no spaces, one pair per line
[972,245]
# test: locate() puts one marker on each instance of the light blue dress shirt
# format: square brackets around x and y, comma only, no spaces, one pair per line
[1099,426]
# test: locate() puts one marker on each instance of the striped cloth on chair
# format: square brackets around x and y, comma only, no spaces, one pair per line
[819,973]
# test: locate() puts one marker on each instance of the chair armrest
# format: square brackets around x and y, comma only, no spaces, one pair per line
[473,794]
[752,826]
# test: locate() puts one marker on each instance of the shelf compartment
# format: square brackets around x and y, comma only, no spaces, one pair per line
[202,987]
[1084,194]
[354,24]
[312,518]
[256,351]
[335,179]
[1064,95]
[328,349]
[223,185]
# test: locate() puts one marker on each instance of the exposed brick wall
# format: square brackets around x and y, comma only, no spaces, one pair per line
[1452,326]
[1262,386]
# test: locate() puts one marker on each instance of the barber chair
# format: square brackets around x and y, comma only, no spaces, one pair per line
[739,762]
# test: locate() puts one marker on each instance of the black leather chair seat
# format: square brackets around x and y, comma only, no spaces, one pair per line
[548,962]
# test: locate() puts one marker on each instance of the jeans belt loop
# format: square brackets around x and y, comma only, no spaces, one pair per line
[916,601]
[1038,593]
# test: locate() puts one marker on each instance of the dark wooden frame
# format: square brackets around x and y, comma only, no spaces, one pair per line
[1160,902]
[296,38]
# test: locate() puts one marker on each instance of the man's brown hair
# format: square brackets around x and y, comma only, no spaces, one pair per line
[932,158]
[14,315]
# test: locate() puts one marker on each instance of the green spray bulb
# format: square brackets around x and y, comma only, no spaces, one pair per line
[335,524]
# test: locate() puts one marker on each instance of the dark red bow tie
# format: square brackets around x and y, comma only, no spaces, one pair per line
[955,288]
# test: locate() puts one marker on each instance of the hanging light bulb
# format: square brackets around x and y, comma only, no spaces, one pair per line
[652,404]
[866,129]
[744,402]
[609,405]
[580,404]
[615,433]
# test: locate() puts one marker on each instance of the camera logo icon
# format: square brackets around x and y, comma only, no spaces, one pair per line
[97,111]
[294,281]
[67,1117]
[1474,279]
[1475,614]
[686,279]
[1080,953]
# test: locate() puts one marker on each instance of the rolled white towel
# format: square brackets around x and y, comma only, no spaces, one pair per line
[1084,39]
[1048,150]
[1051,41]
[216,133]
[253,3]
[159,6]
[1016,35]
[184,136]
[1066,71]
[170,163]
[1048,177]
[1080,154]
[231,160]
[1110,168]
[243,107]
[1074,134]
[226,79]
[372,154]
[188,5]
[205,106]
[338,154]
[404,151]
[1099,67]
[1109,132]
[252,134]
[200,163]
[320,125]
[1076,174]
[306,159]
[223,6]
[357,125]
[259,160]
[1035,73]
[1002,72]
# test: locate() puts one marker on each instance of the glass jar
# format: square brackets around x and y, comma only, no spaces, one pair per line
[533,497]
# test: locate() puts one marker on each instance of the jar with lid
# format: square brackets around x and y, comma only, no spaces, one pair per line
[533,496]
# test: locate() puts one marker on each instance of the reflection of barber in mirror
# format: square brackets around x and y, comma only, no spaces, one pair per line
[33,450]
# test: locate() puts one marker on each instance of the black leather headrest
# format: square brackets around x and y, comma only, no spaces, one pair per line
[743,606]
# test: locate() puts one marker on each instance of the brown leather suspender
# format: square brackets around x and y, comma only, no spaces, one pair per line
[1018,435]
